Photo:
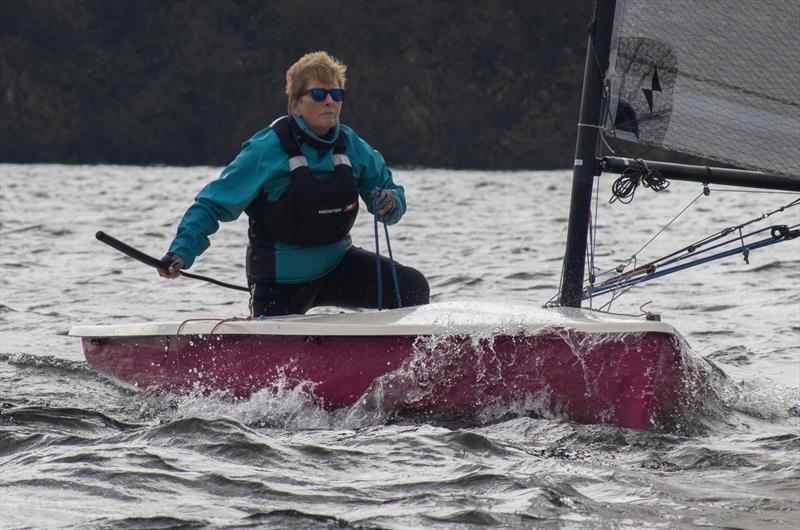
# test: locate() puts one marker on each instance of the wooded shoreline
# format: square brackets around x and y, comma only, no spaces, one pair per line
[466,84]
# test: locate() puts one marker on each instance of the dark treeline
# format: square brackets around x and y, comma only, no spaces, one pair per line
[488,84]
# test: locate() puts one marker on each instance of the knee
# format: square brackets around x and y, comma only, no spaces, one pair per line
[415,289]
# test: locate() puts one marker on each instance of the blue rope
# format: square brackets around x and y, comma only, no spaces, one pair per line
[396,282]
[392,267]
[377,251]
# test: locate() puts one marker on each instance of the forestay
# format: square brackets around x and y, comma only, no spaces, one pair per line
[719,79]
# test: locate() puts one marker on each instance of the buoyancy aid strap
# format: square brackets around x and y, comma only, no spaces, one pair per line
[341,160]
[340,146]
[297,162]
[287,138]
[340,157]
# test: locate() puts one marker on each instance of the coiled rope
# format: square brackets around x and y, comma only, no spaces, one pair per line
[624,188]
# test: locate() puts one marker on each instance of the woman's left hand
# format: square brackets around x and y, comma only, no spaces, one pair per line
[386,202]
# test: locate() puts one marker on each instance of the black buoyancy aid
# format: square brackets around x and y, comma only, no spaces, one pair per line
[311,211]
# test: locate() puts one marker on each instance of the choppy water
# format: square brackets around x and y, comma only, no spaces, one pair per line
[77,451]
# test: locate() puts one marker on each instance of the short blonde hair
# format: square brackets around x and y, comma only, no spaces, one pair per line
[316,65]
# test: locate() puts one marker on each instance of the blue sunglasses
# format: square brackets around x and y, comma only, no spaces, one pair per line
[319,94]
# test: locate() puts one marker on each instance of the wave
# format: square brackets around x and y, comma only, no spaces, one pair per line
[776,265]
[291,519]
[46,362]
[128,523]
[62,419]
[734,355]
[528,276]
[482,518]
[459,280]
[685,457]
[762,398]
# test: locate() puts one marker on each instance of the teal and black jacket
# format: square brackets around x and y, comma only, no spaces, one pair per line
[261,170]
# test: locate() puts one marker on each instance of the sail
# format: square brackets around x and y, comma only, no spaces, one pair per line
[719,79]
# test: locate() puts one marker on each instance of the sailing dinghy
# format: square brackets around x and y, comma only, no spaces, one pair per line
[442,359]
[655,74]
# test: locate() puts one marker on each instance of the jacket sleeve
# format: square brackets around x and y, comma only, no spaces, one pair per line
[223,199]
[370,171]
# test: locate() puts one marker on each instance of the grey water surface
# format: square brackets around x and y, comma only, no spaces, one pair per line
[78,451]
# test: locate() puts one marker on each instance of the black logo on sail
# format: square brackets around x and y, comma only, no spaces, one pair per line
[655,86]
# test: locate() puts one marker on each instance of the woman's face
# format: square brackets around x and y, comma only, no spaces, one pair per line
[320,116]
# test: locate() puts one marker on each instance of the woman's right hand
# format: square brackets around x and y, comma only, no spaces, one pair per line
[174,265]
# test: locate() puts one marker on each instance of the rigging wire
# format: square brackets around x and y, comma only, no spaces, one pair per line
[780,232]
[749,191]
[690,248]
[616,294]
[722,233]
[646,272]
[616,291]
[777,234]
[663,228]
[619,269]
[593,234]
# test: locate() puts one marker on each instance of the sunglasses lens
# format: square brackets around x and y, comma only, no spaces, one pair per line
[318,94]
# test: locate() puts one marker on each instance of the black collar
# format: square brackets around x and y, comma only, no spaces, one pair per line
[303,137]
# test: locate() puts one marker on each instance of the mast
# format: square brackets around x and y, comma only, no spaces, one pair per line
[586,148]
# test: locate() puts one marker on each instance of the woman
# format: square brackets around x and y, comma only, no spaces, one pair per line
[299,182]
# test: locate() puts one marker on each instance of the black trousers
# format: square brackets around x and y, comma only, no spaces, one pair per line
[352,284]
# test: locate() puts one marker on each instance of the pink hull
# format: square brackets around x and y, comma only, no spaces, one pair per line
[630,380]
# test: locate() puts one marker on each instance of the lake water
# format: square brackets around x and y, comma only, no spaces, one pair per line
[77,451]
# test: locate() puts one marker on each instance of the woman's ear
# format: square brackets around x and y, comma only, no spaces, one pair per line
[293,100]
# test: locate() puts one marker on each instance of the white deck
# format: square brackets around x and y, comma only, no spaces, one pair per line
[442,318]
